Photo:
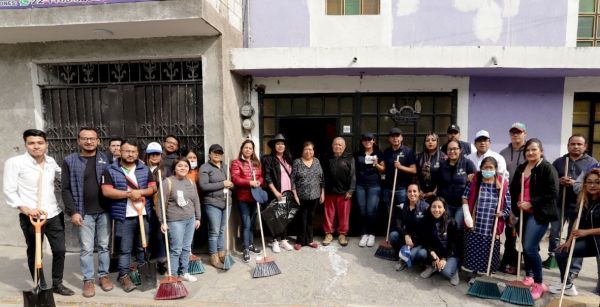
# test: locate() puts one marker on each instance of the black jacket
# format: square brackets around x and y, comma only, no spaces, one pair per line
[272,173]
[543,191]
[431,241]
[340,174]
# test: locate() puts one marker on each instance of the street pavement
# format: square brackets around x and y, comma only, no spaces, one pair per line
[327,276]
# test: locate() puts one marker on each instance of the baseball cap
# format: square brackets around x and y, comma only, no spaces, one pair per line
[518,126]
[395,130]
[215,148]
[153,148]
[453,128]
[482,134]
[367,135]
[404,254]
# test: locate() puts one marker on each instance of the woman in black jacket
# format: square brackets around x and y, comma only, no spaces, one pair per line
[441,238]
[538,203]
[277,170]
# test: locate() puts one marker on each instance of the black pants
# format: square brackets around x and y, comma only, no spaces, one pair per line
[305,218]
[510,252]
[54,229]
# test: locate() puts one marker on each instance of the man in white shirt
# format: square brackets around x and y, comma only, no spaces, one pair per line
[482,144]
[29,187]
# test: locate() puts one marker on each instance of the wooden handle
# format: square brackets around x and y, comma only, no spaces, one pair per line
[387,234]
[164,214]
[37,226]
[495,226]
[562,211]
[520,228]
[262,235]
[571,248]
[142,230]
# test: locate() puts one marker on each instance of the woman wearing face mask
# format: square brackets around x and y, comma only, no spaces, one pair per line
[192,157]
[452,179]
[540,190]
[182,215]
[480,204]
[428,164]
[408,229]
[441,240]
[587,234]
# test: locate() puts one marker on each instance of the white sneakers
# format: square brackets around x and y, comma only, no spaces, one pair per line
[366,240]
[188,277]
[570,290]
[363,240]
[275,247]
[286,245]
[371,241]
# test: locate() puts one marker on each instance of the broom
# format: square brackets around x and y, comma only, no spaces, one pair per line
[195,266]
[228,260]
[266,266]
[516,292]
[170,287]
[486,287]
[552,264]
[386,250]
[571,248]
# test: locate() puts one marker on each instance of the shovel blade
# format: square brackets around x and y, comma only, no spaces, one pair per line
[148,275]
[38,298]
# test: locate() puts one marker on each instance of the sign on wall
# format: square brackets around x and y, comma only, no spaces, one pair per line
[25,4]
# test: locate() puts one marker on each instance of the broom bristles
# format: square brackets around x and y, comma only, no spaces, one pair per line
[228,262]
[196,267]
[517,293]
[170,288]
[484,288]
[265,267]
[386,251]
[135,277]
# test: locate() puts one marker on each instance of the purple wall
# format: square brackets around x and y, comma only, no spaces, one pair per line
[439,23]
[278,23]
[496,103]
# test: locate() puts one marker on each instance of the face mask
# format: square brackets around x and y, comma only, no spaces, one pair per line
[488,174]
[194,164]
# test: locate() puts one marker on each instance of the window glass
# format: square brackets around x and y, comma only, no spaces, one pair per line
[426,104]
[585,44]
[346,105]
[585,26]
[369,104]
[269,107]
[596,151]
[299,106]
[269,126]
[284,106]
[443,104]
[581,112]
[370,7]
[582,130]
[331,105]
[368,124]
[587,6]
[351,7]
[315,106]
[385,104]
[334,7]
[596,133]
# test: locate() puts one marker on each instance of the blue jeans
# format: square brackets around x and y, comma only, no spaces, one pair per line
[533,234]
[95,229]
[418,254]
[400,197]
[217,220]
[130,233]
[458,215]
[584,247]
[450,268]
[248,216]
[181,234]
[368,201]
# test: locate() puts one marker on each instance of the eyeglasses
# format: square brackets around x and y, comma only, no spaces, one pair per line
[454,149]
[591,182]
[172,143]
[88,139]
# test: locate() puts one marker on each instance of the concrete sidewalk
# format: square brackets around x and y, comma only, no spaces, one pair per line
[333,276]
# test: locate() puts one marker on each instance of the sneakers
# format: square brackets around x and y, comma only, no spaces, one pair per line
[253,249]
[126,283]
[454,280]
[105,283]
[400,266]
[286,245]
[62,290]
[313,244]
[188,277]
[328,239]
[427,272]
[371,241]
[297,246]
[88,288]
[570,289]
[275,246]
[246,255]
[363,240]
[528,281]
[537,290]
[342,240]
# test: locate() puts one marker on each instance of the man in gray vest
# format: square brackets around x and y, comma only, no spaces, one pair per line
[85,204]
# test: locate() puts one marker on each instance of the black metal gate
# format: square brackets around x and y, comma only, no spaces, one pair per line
[142,101]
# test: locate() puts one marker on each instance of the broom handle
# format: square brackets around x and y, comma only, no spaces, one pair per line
[227,212]
[164,214]
[142,229]
[38,229]
[489,266]
[562,212]
[572,247]
[112,239]
[387,234]
[262,235]
[520,227]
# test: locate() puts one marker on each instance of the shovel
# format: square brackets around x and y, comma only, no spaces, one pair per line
[148,271]
[38,297]
[114,257]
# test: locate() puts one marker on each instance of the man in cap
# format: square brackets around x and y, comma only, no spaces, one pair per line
[482,145]
[513,156]
[400,158]
[453,134]
[81,192]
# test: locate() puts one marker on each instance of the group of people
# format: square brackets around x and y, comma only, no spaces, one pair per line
[446,201]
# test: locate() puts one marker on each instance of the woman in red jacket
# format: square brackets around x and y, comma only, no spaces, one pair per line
[246,173]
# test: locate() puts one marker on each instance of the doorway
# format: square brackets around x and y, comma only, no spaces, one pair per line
[298,130]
